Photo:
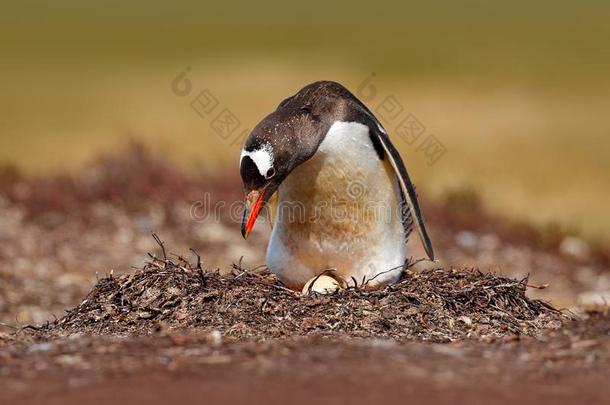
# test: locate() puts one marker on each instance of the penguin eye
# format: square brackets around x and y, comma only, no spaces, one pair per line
[270,173]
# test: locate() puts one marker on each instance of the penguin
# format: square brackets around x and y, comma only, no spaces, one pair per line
[335,189]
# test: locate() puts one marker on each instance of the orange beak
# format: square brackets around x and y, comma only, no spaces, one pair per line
[254,203]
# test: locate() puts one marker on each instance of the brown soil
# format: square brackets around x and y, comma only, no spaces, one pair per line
[174,329]
[567,365]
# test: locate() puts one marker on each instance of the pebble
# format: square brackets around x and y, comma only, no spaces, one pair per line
[574,247]
[40,347]
[467,239]
[594,299]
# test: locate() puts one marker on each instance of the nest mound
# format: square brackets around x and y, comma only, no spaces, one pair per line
[438,305]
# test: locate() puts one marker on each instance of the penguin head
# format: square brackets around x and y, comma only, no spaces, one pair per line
[278,144]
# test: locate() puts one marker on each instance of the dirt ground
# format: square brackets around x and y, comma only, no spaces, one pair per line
[86,315]
[563,366]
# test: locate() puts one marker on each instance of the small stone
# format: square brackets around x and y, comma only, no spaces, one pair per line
[594,300]
[40,347]
[215,338]
[69,360]
[467,239]
[574,247]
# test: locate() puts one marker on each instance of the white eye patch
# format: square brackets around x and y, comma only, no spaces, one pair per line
[262,158]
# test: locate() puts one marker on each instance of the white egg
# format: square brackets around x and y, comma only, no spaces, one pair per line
[322,285]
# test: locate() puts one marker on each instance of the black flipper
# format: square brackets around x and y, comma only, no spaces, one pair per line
[408,190]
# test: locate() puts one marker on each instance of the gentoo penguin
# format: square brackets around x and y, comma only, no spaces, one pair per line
[343,198]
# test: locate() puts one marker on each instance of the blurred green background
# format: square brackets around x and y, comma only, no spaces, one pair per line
[518,93]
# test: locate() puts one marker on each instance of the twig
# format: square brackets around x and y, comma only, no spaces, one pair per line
[411,263]
[31,327]
[198,258]
[383,272]
[9,326]
[539,287]
[162,245]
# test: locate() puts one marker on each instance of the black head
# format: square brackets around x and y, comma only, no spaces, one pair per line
[283,140]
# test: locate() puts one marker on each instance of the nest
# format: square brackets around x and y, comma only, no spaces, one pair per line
[438,305]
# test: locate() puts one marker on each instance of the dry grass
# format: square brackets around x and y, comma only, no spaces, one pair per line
[438,305]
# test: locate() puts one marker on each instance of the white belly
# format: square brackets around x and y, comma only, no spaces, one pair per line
[339,210]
